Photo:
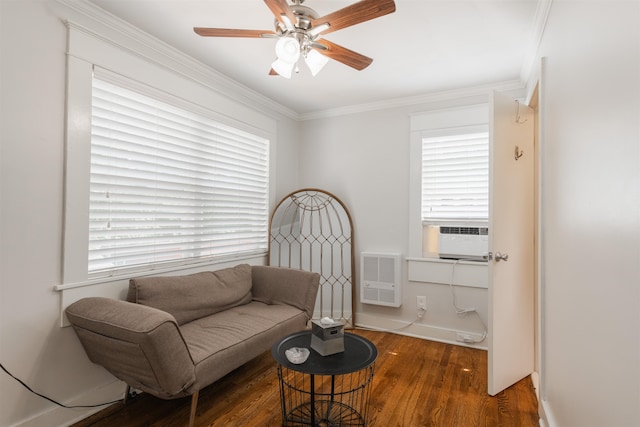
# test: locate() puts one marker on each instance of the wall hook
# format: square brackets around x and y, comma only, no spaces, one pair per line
[518,153]
[518,118]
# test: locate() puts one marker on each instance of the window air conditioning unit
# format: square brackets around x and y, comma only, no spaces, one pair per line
[380,279]
[469,243]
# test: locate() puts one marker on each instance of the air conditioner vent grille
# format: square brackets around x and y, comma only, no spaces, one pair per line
[476,231]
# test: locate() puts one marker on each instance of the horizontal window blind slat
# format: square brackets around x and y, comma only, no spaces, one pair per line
[127,144]
[192,138]
[150,250]
[150,184]
[101,248]
[115,155]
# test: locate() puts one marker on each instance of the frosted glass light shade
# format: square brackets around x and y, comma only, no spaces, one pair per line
[288,50]
[315,61]
[284,69]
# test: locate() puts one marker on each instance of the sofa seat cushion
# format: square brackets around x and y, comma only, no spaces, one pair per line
[226,340]
[196,295]
[209,335]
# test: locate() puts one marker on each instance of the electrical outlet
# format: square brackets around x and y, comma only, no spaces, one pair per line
[422,303]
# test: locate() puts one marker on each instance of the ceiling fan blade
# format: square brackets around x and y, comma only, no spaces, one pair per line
[356,13]
[342,54]
[226,32]
[279,8]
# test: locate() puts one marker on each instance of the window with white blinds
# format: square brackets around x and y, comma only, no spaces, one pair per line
[455,177]
[170,186]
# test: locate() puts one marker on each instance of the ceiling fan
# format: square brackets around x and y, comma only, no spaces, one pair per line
[299,29]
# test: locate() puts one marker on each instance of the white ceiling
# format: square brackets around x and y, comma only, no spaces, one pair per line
[425,46]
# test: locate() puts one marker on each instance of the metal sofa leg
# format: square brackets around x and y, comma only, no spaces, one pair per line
[194,405]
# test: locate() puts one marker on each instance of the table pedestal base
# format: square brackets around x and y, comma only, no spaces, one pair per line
[324,400]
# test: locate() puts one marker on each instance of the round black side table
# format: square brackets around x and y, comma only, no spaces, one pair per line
[325,391]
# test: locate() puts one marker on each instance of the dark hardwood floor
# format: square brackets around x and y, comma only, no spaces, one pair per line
[416,383]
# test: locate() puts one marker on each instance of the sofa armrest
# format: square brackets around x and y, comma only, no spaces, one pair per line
[140,345]
[281,285]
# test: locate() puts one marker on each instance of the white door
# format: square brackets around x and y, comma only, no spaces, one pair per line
[511,237]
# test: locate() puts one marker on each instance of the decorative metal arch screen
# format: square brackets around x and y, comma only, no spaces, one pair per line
[312,230]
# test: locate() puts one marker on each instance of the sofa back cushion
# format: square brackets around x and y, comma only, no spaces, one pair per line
[283,285]
[193,296]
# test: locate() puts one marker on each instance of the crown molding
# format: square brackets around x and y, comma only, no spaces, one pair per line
[531,51]
[100,23]
[439,98]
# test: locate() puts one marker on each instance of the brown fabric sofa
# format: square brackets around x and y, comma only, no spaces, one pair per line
[177,334]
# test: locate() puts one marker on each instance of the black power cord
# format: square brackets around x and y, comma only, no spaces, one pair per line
[53,401]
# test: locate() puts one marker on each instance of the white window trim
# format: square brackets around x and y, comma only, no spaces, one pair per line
[87,50]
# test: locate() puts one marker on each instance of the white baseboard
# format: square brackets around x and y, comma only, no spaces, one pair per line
[417,330]
[62,417]
[546,418]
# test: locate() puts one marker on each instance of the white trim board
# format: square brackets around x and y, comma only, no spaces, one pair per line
[417,330]
[462,273]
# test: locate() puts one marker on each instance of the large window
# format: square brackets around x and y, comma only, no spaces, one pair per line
[168,165]
[168,185]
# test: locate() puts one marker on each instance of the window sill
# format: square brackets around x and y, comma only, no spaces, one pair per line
[472,274]
[178,268]
[117,286]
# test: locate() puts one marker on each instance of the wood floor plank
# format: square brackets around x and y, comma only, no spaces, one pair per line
[417,383]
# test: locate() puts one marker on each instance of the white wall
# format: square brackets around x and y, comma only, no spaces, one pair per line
[364,159]
[591,214]
[32,345]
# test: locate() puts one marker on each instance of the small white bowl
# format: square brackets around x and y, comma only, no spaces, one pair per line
[297,355]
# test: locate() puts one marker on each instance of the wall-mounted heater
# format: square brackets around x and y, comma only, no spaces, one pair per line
[380,279]
[470,243]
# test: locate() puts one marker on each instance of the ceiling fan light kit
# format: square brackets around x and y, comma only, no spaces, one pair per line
[288,49]
[299,30]
[287,53]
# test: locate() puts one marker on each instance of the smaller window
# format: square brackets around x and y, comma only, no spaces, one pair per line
[455,178]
